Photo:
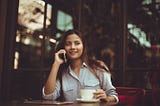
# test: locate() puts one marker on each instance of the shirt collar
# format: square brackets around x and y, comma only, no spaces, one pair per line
[83,65]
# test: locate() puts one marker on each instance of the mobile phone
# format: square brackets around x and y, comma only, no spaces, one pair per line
[63,56]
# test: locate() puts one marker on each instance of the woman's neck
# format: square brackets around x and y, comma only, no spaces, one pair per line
[76,65]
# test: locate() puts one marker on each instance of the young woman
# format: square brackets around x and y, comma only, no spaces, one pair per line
[66,78]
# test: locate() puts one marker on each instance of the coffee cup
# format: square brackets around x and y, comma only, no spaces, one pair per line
[87,94]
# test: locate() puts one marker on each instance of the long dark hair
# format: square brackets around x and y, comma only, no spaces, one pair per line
[91,63]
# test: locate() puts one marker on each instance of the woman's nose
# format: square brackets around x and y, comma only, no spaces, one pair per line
[73,46]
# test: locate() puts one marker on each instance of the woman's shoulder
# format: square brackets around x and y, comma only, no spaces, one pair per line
[103,75]
[100,65]
[103,72]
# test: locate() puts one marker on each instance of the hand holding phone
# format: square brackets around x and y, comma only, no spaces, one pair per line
[63,56]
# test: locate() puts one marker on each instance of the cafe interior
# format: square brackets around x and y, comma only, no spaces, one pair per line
[125,34]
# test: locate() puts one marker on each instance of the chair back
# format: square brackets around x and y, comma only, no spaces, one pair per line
[131,95]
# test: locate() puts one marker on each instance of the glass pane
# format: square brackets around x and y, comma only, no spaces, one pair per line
[32,34]
[100,23]
[98,20]
[64,21]
[144,34]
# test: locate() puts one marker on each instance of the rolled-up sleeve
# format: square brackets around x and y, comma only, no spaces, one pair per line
[108,86]
[54,95]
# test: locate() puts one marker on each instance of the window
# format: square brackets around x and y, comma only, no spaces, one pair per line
[144,40]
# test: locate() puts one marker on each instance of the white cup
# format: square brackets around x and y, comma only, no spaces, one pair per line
[87,94]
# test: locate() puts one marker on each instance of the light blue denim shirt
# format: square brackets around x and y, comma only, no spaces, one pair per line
[86,79]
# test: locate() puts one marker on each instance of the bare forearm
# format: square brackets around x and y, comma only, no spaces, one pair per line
[51,81]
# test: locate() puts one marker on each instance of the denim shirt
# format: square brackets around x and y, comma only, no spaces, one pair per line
[86,79]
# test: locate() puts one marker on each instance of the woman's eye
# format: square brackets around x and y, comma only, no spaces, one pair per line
[72,43]
[77,43]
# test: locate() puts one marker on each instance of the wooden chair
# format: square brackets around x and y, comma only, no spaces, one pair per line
[131,95]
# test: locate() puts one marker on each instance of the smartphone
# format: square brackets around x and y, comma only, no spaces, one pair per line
[63,56]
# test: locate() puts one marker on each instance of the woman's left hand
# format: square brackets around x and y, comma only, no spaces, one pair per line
[100,94]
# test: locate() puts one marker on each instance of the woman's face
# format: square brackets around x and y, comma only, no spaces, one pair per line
[74,46]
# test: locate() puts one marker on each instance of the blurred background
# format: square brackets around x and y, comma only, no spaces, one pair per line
[125,34]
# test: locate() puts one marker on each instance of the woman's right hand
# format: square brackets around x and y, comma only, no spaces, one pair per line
[57,56]
[51,82]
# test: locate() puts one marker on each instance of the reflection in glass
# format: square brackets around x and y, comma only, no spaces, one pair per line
[144,37]
[64,21]
[30,32]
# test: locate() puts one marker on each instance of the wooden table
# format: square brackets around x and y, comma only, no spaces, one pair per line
[22,103]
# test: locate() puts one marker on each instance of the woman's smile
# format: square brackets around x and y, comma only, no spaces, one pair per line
[74,46]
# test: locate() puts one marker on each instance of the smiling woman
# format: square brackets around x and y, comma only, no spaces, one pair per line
[124,33]
[67,78]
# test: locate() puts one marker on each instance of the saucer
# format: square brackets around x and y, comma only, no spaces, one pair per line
[87,100]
